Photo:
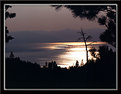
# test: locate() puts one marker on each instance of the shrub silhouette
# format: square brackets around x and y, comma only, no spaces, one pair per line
[94,74]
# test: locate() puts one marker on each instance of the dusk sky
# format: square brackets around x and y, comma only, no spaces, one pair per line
[36,24]
[44,19]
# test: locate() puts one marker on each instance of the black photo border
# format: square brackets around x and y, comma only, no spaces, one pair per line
[56,2]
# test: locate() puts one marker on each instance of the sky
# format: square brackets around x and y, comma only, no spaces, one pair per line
[35,24]
[44,18]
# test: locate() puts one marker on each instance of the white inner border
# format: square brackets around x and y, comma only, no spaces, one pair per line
[63,88]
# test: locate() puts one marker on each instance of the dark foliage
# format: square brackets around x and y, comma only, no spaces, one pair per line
[93,52]
[7,37]
[94,74]
[88,12]
[91,13]
[8,15]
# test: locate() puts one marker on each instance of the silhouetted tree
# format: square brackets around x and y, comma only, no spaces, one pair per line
[77,63]
[110,22]
[46,64]
[85,38]
[82,63]
[105,54]
[8,15]
[107,18]
[92,50]
[11,55]
[52,65]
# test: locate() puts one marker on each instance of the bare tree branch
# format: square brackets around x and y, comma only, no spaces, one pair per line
[83,36]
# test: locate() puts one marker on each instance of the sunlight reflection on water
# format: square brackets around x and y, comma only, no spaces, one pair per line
[64,53]
[72,51]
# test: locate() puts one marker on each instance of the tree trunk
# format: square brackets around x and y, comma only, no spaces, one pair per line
[86,51]
[85,41]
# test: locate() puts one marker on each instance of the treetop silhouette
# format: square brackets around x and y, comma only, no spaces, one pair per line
[8,15]
[108,18]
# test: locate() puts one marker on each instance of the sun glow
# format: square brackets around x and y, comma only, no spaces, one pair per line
[63,45]
[72,55]
[75,43]
[70,52]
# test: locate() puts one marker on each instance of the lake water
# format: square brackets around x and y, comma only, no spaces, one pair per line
[64,53]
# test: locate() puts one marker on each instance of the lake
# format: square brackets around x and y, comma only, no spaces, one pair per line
[64,53]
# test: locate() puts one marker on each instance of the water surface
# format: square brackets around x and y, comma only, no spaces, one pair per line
[64,53]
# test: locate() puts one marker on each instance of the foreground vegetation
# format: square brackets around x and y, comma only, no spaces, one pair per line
[94,74]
